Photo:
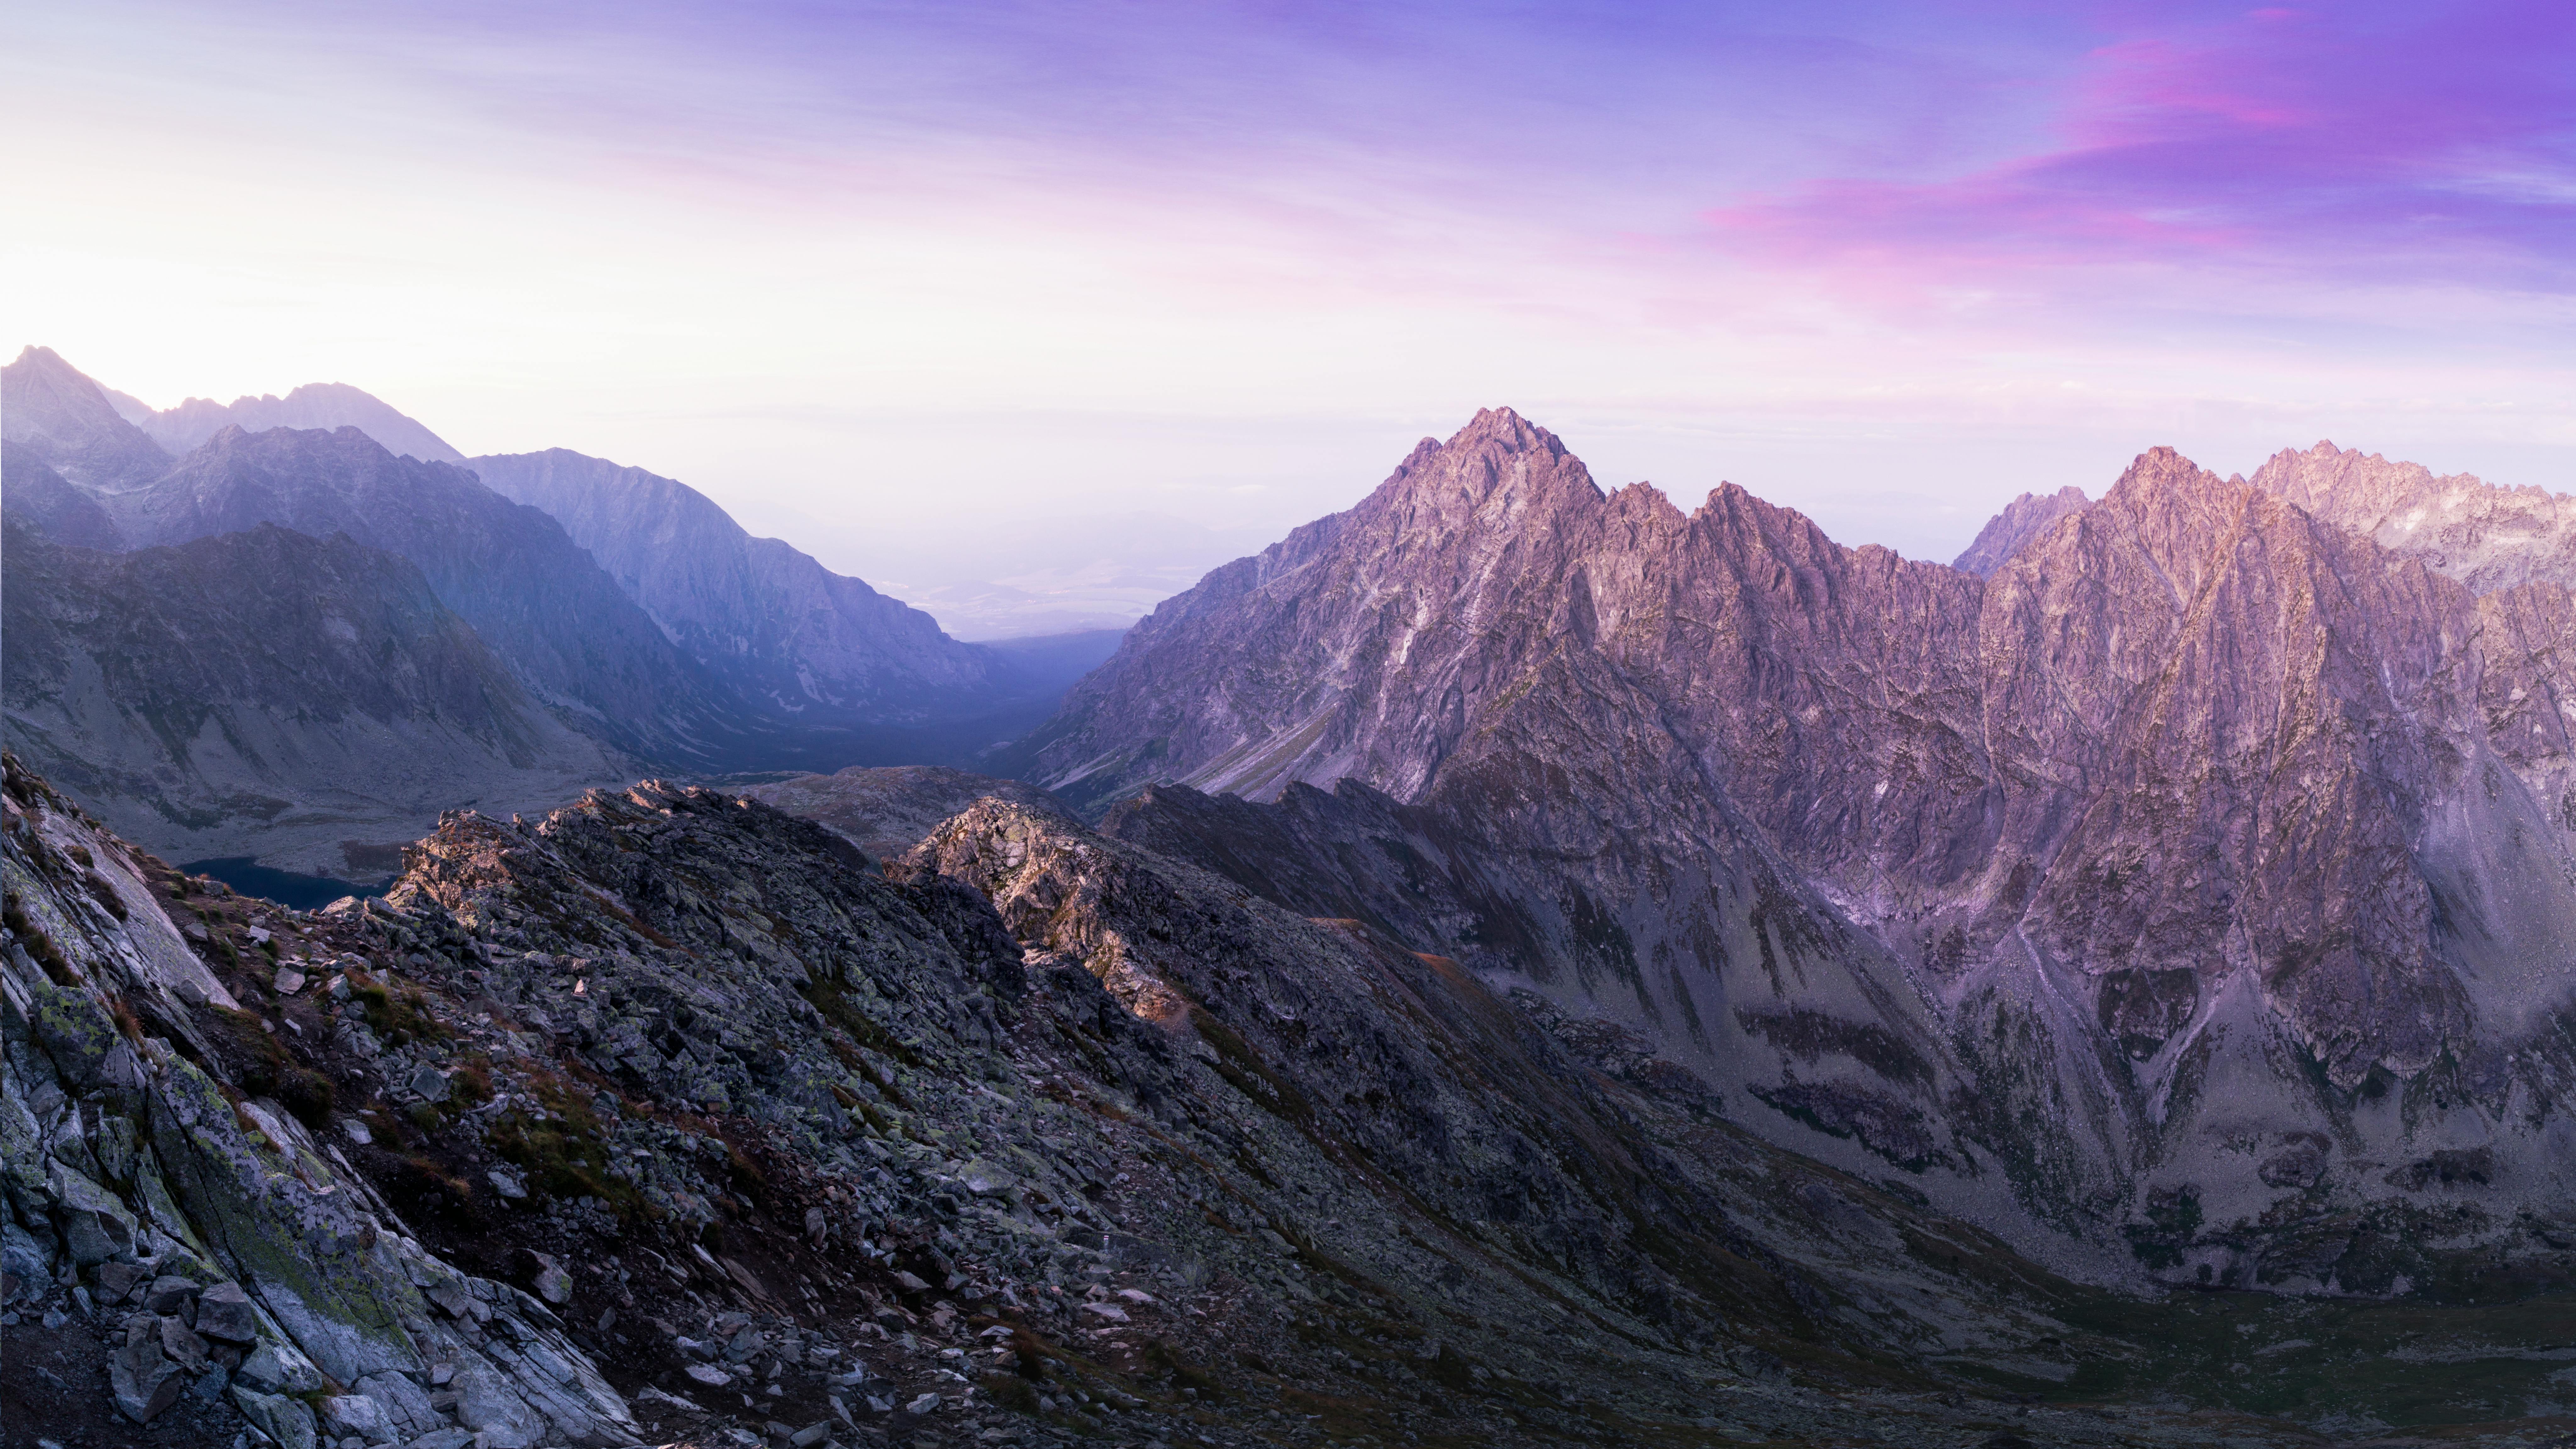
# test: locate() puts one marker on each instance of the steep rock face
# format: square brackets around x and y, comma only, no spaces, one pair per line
[46,502]
[534,595]
[240,1257]
[315,407]
[63,420]
[2488,537]
[2023,519]
[2190,823]
[204,711]
[781,628]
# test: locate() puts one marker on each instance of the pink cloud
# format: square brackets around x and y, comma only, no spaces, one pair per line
[2425,148]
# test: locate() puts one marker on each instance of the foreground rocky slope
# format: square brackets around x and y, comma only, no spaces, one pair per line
[664,1118]
[2190,888]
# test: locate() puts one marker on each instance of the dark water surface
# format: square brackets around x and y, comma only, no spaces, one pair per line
[302,892]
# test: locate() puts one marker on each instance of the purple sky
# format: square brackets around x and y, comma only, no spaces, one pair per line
[866,273]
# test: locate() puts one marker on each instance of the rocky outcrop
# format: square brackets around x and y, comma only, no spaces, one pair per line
[2201,818]
[777,626]
[2023,519]
[203,711]
[886,811]
[226,1253]
[315,407]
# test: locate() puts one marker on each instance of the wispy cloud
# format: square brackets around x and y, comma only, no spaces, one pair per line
[1846,232]
[2198,159]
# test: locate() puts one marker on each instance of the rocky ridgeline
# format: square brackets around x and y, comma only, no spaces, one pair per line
[2181,890]
[668,1117]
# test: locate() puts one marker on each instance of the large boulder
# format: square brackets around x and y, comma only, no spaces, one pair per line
[224,1313]
[288,1421]
[499,1417]
[277,1368]
[95,1225]
[141,1380]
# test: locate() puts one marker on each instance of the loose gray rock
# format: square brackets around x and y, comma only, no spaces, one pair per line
[142,1381]
[224,1313]
[276,1368]
[285,1420]
[170,1295]
[95,1225]
[183,1346]
[346,1414]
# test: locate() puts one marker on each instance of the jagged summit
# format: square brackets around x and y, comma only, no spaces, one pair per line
[64,420]
[324,406]
[1498,460]
[2198,787]
[2022,520]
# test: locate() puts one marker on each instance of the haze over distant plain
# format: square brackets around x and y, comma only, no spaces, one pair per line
[876,277]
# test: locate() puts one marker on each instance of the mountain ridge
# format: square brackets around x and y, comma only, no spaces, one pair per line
[2119,814]
[313,407]
[785,628]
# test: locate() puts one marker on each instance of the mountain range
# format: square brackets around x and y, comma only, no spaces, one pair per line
[1512,962]
[322,406]
[2189,893]
[705,650]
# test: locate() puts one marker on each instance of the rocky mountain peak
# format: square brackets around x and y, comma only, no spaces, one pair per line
[2329,480]
[2022,520]
[2488,537]
[1494,467]
[2180,514]
[2195,788]
[324,406]
[64,419]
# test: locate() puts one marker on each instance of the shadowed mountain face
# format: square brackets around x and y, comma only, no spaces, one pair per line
[534,595]
[778,627]
[204,708]
[2202,840]
[315,407]
[704,650]
[45,501]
